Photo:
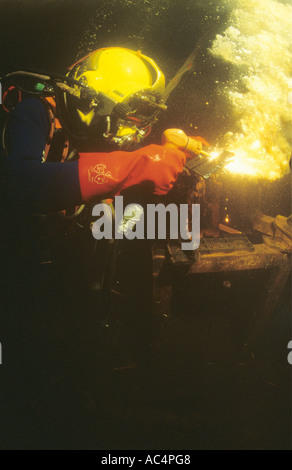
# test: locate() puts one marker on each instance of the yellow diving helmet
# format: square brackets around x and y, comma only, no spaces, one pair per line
[127,94]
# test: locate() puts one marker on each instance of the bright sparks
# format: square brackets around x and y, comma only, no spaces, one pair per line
[257,46]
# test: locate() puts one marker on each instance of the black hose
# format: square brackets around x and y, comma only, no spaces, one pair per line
[53,79]
[19,87]
[53,76]
[63,116]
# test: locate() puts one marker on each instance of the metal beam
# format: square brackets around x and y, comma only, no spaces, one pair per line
[262,257]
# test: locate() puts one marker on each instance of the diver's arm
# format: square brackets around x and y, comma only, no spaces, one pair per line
[28,185]
[155,167]
[32,186]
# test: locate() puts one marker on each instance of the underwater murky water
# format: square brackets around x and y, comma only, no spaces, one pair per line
[60,386]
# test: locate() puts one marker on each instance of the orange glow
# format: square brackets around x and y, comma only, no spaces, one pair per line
[252,161]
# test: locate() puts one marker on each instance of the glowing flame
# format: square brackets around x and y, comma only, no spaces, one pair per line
[214,155]
[254,159]
[257,47]
[250,163]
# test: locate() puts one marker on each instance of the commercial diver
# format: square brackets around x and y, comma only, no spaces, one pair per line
[108,100]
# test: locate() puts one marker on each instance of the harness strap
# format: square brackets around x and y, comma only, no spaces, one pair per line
[54,126]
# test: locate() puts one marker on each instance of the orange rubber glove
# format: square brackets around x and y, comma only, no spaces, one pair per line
[102,174]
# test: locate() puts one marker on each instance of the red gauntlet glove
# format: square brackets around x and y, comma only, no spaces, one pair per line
[102,174]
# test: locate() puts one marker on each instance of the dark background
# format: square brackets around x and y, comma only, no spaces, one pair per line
[184,382]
